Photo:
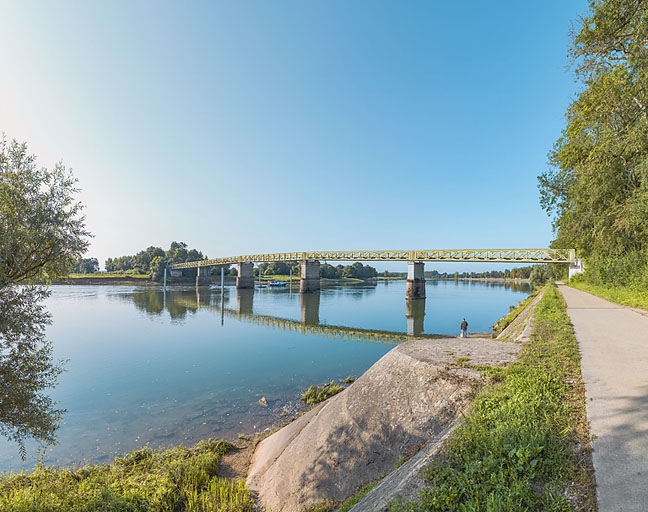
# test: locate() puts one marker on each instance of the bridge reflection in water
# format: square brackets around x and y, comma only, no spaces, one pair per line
[179,303]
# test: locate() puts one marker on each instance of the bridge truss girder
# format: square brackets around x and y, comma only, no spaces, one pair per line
[456,255]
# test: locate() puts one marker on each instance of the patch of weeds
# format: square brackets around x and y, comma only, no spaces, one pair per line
[400,462]
[351,502]
[179,478]
[316,394]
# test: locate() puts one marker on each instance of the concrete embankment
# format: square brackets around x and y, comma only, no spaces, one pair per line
[407,401]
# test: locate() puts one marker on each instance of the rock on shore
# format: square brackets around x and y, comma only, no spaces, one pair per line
[356,437]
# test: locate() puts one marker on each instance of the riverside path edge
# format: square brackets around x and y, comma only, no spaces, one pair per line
[613,343]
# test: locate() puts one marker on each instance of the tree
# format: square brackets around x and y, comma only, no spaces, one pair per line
[277,268]
[86,266]
[42,234]
[328,271]
[156,269]
[42,231]
[597,186]
[540,274]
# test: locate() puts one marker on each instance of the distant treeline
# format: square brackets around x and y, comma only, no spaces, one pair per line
[516,273]
[282,268]
[150,261]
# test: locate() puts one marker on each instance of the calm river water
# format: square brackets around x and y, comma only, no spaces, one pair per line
[144,367]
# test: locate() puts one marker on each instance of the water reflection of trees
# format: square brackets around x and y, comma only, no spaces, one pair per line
[26,368]
[178,303]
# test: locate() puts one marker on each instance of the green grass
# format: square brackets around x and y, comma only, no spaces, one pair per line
[513,314]
[174,480]
[316,394]
[280,277]
[636,297]
[356,498]
[524,444]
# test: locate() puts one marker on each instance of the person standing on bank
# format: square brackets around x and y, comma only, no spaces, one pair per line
[464,329]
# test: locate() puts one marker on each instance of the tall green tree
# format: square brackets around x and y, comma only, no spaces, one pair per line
[86,266]
[597,186]
[42,234]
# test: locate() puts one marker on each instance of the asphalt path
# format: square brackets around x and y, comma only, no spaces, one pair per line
[613,343]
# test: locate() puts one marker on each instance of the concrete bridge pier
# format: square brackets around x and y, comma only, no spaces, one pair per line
[310,276]
[245,278]
[415,280]
[203,276]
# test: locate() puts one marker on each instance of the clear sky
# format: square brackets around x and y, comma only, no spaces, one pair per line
[276,126]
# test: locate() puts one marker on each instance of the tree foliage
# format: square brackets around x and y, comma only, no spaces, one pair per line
[42,231]
[154,260]
[597,186]
[42,235]
[86,266]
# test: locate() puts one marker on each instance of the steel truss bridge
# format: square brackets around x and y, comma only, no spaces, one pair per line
[455,255]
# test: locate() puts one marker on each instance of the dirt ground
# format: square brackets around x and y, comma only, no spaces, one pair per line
[235,464]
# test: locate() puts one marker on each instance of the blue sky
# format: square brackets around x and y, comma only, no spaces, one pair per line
[259,126]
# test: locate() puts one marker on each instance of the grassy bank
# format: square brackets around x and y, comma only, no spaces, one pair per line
[524,444]
[635,297]
[175,480]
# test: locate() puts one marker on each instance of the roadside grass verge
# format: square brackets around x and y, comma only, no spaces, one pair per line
[524,444]
[175,480]
[635,297]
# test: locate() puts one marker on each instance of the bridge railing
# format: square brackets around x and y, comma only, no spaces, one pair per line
[456,255]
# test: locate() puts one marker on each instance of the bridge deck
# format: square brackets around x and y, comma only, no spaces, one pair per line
[457,255]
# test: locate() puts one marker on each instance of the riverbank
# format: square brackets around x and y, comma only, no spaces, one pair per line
[410,396]
[148,419]
[540,454]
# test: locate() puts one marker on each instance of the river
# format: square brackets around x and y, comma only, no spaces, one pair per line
[145,367]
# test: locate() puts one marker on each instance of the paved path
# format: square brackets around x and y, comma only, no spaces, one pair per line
[613,342]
